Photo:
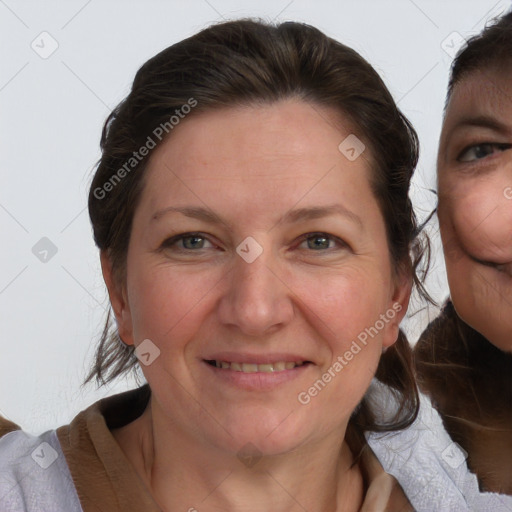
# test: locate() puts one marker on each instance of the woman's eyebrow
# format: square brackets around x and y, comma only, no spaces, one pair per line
[317,212]
[481,121]
[191,211]
[300,214]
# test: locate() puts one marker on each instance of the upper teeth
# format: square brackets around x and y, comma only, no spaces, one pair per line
[252,367]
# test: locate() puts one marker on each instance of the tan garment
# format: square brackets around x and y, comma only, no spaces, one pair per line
[106,481]
[7,426]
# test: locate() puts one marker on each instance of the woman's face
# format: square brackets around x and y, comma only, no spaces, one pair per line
[258,246]
[475,202]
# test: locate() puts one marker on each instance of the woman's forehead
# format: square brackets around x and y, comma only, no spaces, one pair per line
[486,90]
[278,140]
[236,161]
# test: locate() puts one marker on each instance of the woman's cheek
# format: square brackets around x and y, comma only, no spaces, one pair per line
[343,305]
[161,298]
[477,219]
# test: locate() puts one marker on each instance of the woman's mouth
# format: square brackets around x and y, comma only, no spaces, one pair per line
[278,366]
[256,373]
[251,371]
[506,268]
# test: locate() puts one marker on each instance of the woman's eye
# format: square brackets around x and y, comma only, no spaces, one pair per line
[320,241]
[479,151]
[196,241]
[193,241]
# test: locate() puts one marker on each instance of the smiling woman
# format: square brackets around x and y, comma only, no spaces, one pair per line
[464,358]
[261,248]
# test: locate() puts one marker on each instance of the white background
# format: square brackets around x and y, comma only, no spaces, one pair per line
[51,115]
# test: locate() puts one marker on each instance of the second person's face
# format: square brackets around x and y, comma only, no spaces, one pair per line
[475,202]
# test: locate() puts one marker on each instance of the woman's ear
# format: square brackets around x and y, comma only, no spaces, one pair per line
[397,306]
[118,299]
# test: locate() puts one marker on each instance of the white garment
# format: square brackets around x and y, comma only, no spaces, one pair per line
[34,475]
[429,466]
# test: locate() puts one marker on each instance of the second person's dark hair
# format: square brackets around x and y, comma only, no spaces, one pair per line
[492,47]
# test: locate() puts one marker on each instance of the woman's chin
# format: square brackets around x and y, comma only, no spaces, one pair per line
[258,437]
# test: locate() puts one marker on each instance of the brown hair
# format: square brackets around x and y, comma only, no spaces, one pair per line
[470,383]
[249,62]
[468,378]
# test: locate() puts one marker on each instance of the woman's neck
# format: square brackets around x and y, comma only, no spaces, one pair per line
[182,474]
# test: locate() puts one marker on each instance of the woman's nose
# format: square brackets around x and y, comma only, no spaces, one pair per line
[255,300]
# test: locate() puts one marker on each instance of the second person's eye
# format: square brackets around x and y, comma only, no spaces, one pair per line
[479,151]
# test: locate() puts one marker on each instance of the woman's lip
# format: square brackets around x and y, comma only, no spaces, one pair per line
[268,358]
[256,381]
[277,366]
[506,268]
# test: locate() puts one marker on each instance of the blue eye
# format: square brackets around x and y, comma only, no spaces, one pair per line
[187,241]
[193,242]
[479,151]
[321,241]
